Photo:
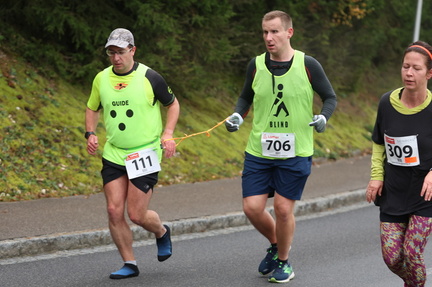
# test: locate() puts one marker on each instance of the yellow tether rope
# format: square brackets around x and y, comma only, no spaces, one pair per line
[207,132]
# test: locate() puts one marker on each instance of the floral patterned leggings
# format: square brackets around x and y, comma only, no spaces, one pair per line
[402,246]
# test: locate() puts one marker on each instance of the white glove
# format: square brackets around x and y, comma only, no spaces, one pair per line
[233,123]
[319,122]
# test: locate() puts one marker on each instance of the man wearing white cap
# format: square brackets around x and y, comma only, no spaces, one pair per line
[130,94]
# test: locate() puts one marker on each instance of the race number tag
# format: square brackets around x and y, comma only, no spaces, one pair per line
[278,145]
[142,163]
[402,151]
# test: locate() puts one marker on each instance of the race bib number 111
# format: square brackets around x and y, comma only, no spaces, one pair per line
[142,163]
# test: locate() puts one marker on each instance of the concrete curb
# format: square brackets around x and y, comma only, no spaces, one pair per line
[78,240]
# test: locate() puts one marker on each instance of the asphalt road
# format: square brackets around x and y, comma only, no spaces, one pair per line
[340,248]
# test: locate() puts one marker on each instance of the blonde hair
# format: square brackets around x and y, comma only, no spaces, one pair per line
[285,18]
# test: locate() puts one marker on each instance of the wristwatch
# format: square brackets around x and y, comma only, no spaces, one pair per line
[87,134]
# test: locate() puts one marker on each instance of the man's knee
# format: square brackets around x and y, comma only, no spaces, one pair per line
[284,207]
[115,213]
[137,216]
[253,206]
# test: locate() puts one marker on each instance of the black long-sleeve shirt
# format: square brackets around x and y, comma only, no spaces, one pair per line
[317,77]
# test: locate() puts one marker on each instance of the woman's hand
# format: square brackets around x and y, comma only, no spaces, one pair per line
[373,189]
[427,187]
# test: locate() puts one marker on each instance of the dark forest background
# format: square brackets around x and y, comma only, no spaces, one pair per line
[50,51]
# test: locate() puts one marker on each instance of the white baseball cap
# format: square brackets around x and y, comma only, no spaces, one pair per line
[120,37]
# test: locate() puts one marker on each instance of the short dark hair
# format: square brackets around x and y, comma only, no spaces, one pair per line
[285,18]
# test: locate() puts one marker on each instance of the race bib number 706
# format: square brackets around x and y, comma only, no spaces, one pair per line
[280,145]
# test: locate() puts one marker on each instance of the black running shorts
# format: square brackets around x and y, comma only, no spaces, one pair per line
[111,171]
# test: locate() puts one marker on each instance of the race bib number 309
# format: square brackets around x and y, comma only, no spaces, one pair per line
[402,151]
[142,163]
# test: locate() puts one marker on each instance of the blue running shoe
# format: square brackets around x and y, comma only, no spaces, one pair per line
[164,245]
[128,270]
[282,274]
[268,264]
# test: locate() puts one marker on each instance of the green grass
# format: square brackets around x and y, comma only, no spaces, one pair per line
[43,151]
[42,148]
